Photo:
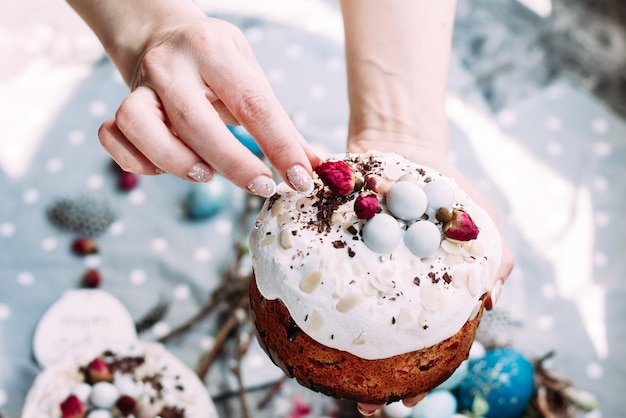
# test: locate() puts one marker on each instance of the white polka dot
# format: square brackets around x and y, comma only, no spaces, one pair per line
[93,261]
[255,34]
[4,398]
[7,229]
[603,219]
[160,329]
[206,343]
[117,228]
[76,137]
[158,244]
[30,196]
[507,117]
[25,278]
[553,124]
[293,51]
[5,311]
[202,254]
[49,243]
[224,226]
[275,75]
[300,118]
[602,149]
[54,165]
[181,292]
[334,65]
[600,259]
[600,125]
[600,184]
[594,370]
[137,277]
[137,197]
[256,361]
[95,182]
[545,322]
[317,92]
[549,291]
[554,149]
[555,92]
[97,108]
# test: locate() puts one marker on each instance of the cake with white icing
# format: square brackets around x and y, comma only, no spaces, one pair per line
[370,287]
[139,380]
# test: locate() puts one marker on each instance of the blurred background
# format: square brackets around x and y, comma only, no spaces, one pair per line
[537,107]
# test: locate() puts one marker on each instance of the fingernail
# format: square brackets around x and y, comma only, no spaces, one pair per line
[200,172]
[495,292]
[411,402]
[300,179]
[158,171]
[368,410]
[262,186]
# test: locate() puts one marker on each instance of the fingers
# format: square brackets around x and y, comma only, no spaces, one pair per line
[367,409]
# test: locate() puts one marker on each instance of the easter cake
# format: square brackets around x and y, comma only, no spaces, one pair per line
[370,287]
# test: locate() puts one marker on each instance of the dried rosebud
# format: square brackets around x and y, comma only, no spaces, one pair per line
[91,279]
[84,246]
[460,227]
[127,181]
[366,205]
[376,184]
[72,407]
[337,176]
[126,405]
[98,371]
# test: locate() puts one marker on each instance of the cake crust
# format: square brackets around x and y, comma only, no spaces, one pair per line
[342,375]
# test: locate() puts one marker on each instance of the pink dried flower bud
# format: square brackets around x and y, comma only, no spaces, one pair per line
[126,405]
[72,407]
[460,226]
[84,246]
[337,176]
[376,184]
[366,205]
[98,371]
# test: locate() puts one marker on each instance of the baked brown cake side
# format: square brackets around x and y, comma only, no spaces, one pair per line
[343,375]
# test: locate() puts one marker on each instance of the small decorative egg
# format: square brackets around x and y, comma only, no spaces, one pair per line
[457,377]
[406,200]
[397,410]
[439,194]
[82,391]
[437,404]
[503,377]
[423,238]
[126,385]
[477,351]
[246,139]
[205,200]
[382,233]
[104,395]
[100,413]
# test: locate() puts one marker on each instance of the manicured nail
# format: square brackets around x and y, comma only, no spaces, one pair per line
[367,409]
[158,171]
[300,179]
[495,292]
[200,172]
[262,186]
[411,402]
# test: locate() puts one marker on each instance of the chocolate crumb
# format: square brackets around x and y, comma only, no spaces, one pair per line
[351,252]
[416,280]
[339,244]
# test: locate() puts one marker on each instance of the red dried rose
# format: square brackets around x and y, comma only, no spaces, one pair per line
[98,371]
[126,405]
[366,205]
[337,176]
[84,246]
[458,224]
[72,407]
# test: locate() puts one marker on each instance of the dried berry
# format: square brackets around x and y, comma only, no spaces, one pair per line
[337,176]
[127,181]
[366,205]
[91,279]
[84,246]
[72,407]
[126,405]
[99,371]
[457,225]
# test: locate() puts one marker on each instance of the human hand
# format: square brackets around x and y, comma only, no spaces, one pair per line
[194,76]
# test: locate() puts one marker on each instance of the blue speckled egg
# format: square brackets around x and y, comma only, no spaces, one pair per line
[503,377]
[437,404]
[439,195]
[406,200]
[382,233]
[423,238]
[205,200]
[245,138]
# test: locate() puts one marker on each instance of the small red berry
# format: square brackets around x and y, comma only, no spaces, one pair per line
[366,206]
[127,181]
[84,246]
[337,176]
[72,407]
[91,279]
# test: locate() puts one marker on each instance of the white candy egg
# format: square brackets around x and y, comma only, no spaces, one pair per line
[439,195]
[382,233]
[126,385]
[100,413]
[477,351]
[406,200]
[423,238]
[437,404]
[82,391]
[397,410]
[104,395]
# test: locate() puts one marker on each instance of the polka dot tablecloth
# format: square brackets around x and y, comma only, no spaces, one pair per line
[553,165]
